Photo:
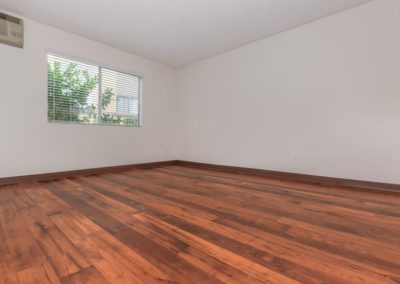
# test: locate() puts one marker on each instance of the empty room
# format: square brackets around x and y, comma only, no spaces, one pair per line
[200,141]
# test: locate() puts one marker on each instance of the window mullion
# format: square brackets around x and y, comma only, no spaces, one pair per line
[100,101]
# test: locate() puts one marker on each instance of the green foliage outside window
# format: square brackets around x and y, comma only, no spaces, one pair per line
[70,100]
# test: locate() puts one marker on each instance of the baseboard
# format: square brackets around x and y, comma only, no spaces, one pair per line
[93,171]
[319,180]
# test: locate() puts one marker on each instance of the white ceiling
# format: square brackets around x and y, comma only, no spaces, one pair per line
[176,32]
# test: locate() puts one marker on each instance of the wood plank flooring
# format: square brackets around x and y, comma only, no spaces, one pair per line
[179,224]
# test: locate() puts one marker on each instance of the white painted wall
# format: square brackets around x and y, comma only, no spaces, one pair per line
[29,144]
[327,92]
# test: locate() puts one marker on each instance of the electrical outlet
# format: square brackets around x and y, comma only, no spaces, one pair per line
[295,159]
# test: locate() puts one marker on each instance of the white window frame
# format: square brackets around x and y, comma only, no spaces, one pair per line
[99,65]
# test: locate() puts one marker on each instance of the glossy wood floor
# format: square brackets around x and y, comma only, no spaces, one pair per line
[184,225]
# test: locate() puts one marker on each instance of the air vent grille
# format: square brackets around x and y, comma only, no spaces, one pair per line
[11,30]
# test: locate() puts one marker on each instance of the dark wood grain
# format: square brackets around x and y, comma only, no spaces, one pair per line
[91,171]
[319,180]
[181,224]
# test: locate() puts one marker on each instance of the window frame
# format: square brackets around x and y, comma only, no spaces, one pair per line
[99,66]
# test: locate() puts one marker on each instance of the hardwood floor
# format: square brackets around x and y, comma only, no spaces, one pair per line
[184,225]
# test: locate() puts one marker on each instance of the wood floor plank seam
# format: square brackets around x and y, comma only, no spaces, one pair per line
[180,224]
[268,184]
[124,183]
[93,177]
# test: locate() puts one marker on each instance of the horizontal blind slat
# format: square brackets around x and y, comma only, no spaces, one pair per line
[73,93]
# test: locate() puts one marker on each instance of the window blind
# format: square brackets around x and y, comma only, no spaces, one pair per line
[90,94]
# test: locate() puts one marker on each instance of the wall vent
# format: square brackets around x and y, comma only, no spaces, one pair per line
[11,30]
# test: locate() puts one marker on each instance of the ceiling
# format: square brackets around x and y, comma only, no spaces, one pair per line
[176,32]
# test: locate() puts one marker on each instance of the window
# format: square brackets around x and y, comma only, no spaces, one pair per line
[90,94]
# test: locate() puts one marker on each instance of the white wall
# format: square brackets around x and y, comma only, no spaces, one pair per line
[328,92]
[29,144]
